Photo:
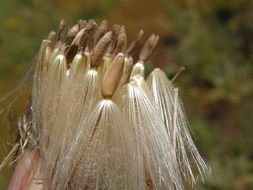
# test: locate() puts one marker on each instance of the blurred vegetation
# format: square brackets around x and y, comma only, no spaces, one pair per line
[213,39]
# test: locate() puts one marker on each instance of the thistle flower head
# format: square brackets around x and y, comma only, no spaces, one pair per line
[99,123]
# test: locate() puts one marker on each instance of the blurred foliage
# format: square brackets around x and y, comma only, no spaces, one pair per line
[212,39]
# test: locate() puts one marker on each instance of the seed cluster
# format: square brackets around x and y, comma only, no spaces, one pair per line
[99,123]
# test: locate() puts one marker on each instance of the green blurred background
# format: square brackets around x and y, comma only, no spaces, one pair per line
[213,39]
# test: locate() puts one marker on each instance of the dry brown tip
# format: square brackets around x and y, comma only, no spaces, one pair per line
[78,37]
[112,75]
[82,23]
[51,35]
[61,30]
[179,71]
[148,47]
[139,35]
[100,31]
[70,53]
[127,70]
[82,36]
[46,43]
[121,41]
[134,42]
[79,41]
[43,46]
[145,51]
[100,49]
[92,22]
[115,32]
[74,38]
[72,34]
[89,29]
[116,28]
[93,26]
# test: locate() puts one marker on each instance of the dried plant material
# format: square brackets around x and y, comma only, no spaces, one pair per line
[148,47]
[72,34]
[61,31]
[94,26]
[138,69]
[9,156]
[28,135]
[79,65]
[153,152]
[127,70]
[134,42]
[51,97]
[103,151]
[96,121]
[82,23]
[172,112]
[174,119]
[39,83]
[102,28]
[82,37]
[115,32]
[100,49]
[179,71]
[112,76]
[48,53]
[51,36]
[70,53]
[121,41]
[105,63]
[27,139]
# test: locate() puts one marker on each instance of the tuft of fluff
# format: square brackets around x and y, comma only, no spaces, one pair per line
[172,112]
[154,160]
[103,151]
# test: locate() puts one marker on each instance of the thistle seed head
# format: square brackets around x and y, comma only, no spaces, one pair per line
[98,123]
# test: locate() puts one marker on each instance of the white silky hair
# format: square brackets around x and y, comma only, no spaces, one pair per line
[83,96]
[103,151]
[144,119]
[52,95]
[133,137]
[185,149]
[80,92]
[154,159]
[39,84]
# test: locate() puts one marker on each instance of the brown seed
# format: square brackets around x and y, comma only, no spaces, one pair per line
[112,75]
[71,34]
[100,49]
[134,42]
[82,36]
[115,32]
[121,41]
[127,70]
[100,31]
[148,47]
[94,26]
[82,23]
[61,30]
